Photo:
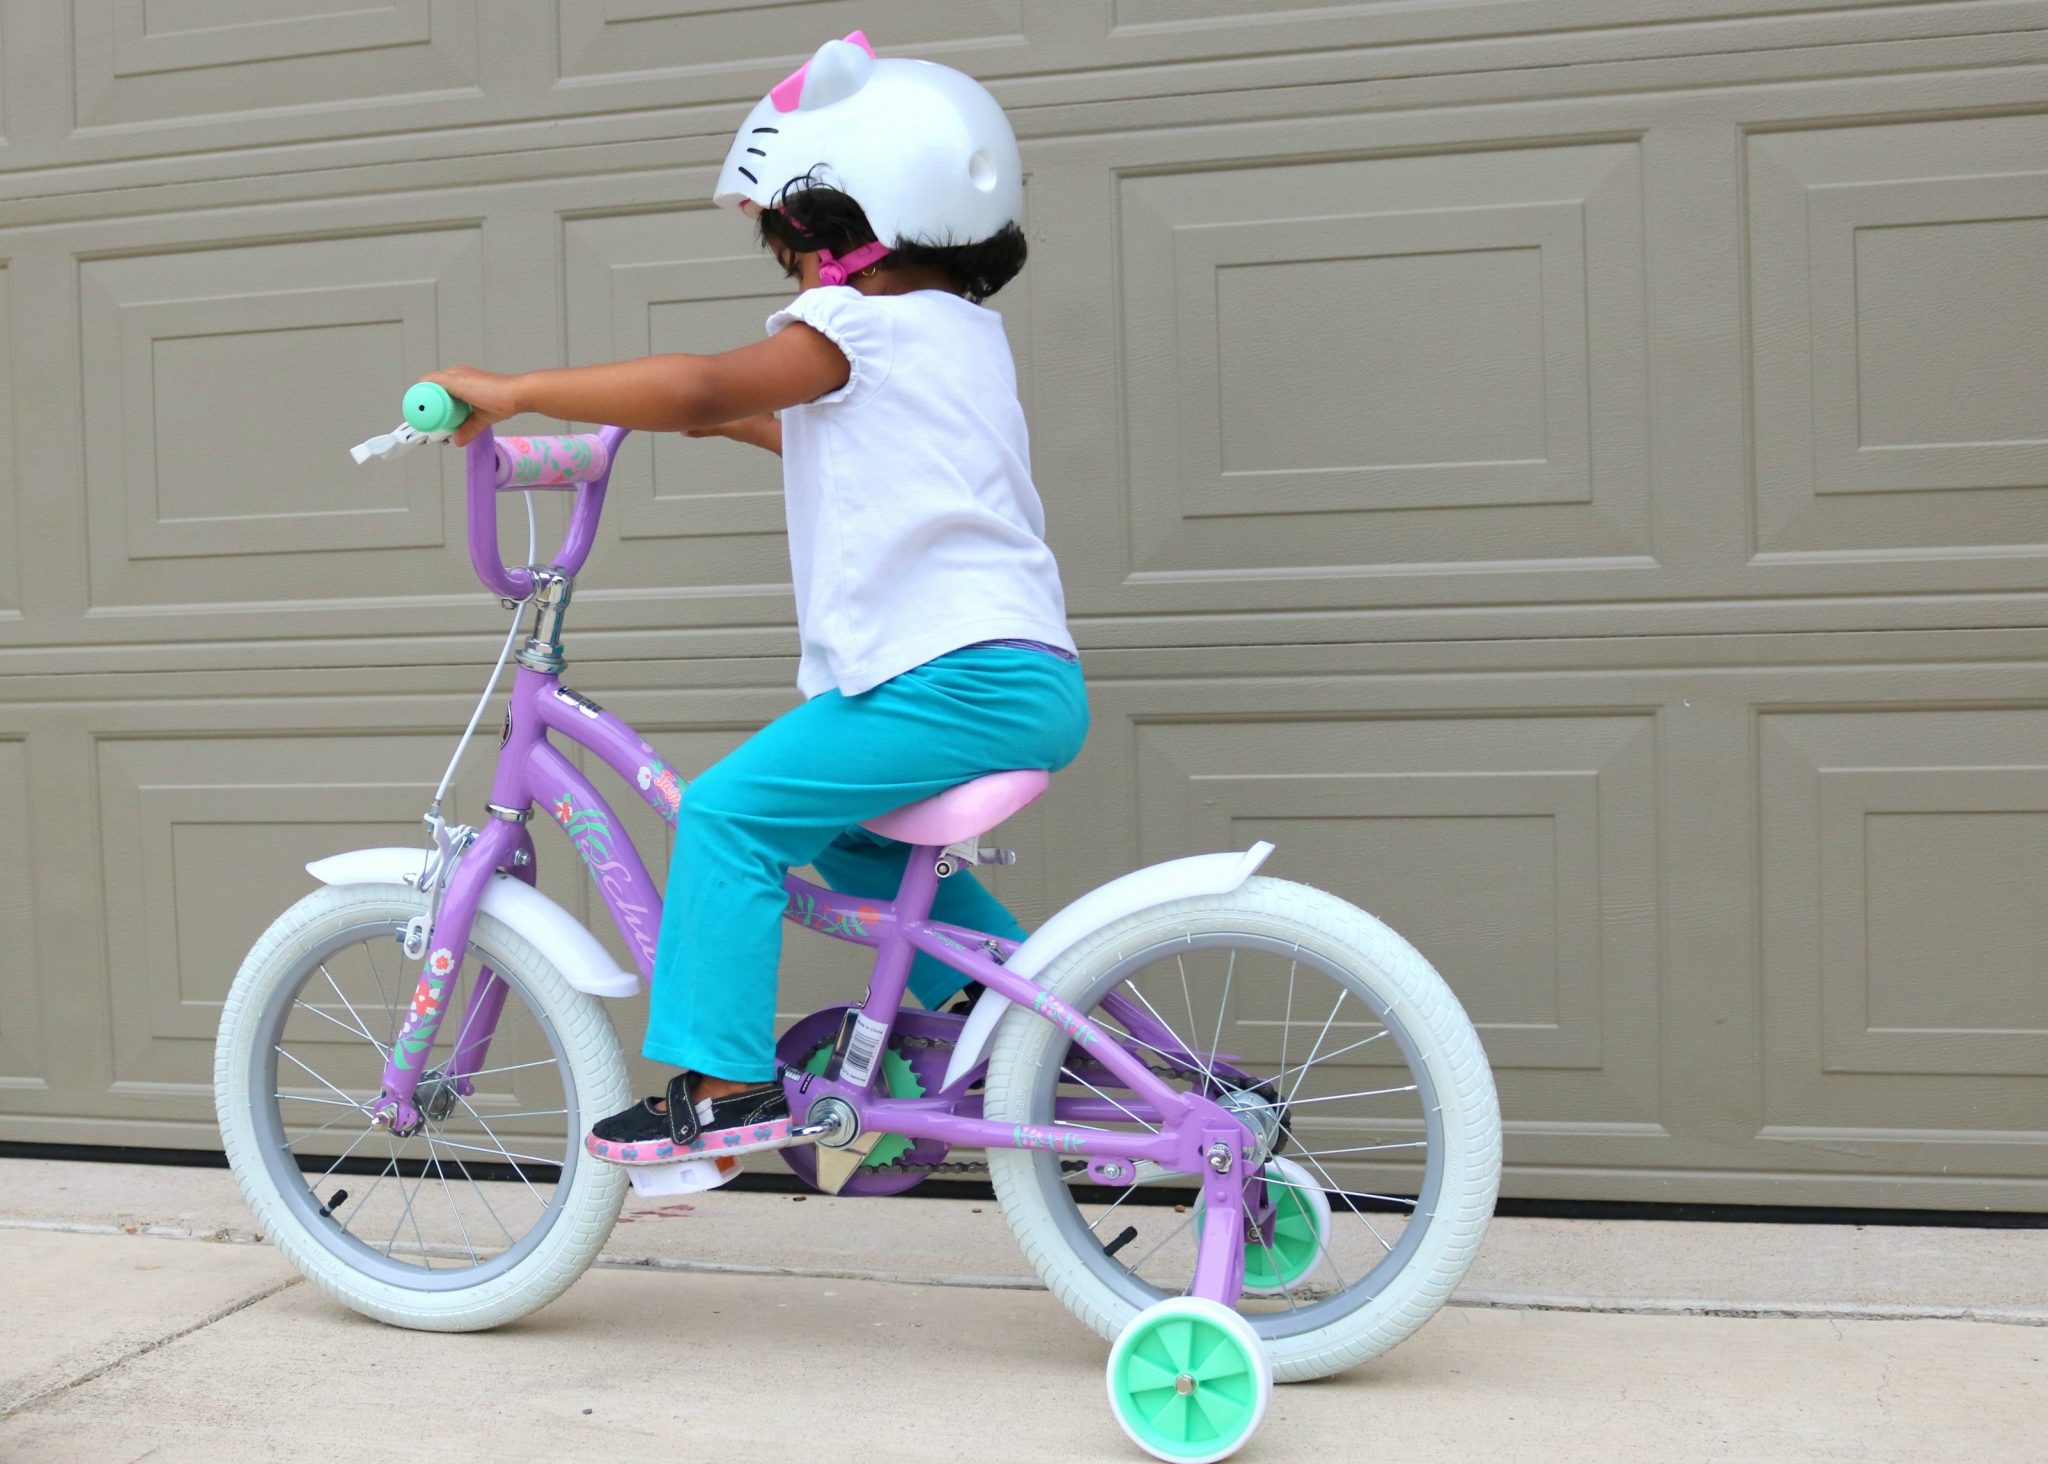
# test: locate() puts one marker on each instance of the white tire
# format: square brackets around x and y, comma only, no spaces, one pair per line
[585,1203]
[1435,1035]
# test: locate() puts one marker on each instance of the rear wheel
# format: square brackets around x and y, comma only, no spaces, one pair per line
[490,1208]
[1339,1046]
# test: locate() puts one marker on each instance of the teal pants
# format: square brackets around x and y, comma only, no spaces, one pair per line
[795,793]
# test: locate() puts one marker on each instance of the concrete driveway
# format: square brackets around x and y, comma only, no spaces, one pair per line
[144,1320]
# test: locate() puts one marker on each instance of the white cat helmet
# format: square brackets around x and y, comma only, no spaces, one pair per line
[923,149]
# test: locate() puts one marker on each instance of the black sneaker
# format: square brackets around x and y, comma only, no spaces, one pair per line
[739,1123]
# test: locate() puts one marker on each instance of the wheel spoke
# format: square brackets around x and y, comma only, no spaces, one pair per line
[1139,1264]
[1352,1205]
[441,1173]
[1360,1149]
[1129,1190]
[1362,1042]
[390,1011]
[1208,1077]
[1318,1047]
[1069,1072]
[499,1152]
[313,1133]
[405,1200]
[484,1195]
[1287,1018]
[1222,1010]
[1187,1056]
[468,1108]
[352,1031]
[1291,1103]
[513,1068]
[1321,1190]
[362,1027]
[322,1081]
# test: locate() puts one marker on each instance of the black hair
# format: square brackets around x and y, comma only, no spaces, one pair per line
[808,215]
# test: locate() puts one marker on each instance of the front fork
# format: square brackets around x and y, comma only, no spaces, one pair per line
[502,845]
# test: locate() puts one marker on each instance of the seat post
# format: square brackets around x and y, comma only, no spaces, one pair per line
[891,975]
[920,884]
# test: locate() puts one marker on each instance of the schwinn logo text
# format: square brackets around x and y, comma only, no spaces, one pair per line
[591,832]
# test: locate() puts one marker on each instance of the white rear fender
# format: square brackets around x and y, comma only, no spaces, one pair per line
[1158,884]
[554,931]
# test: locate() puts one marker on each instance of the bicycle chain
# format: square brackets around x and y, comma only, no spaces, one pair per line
[968,1166]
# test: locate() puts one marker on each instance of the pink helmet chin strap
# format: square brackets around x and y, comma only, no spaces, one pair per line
[834,271]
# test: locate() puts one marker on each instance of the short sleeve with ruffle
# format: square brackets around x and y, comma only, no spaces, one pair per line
[860,327]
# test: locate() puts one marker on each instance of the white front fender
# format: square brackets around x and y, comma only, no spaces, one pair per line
[559,936]
[1176,879]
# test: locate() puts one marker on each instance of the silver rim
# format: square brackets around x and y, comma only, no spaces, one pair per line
[464,1199]
[1361,1107]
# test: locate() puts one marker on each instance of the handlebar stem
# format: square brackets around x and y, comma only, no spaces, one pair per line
[543,649]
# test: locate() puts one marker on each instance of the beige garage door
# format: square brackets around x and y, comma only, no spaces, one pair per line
[1569,471]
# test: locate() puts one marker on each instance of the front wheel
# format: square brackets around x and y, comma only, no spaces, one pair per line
[490,1208]
[1342,1050]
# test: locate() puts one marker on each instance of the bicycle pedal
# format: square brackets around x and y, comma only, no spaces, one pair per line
[691,1176]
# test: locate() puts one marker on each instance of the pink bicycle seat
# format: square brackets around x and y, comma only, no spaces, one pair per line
[963,812]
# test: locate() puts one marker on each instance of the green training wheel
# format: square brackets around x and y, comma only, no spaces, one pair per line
[1295,1241]
[430,409]
[1189,1380]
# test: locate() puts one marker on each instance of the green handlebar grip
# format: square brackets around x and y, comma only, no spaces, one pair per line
[430,409]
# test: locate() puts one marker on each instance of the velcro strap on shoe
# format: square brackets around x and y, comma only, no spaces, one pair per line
[682,1113]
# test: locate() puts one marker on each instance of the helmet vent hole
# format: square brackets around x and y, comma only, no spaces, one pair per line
[981,172]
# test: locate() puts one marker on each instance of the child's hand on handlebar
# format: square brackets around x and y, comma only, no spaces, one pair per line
[491,397]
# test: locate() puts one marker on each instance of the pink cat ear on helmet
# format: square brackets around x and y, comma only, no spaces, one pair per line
[788,93]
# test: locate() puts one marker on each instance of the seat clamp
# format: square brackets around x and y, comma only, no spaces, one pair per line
[971,851]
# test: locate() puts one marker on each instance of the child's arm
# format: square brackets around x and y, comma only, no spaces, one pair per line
[762,431]
[660,393]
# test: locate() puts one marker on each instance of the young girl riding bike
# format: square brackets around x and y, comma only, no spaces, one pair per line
[933,625]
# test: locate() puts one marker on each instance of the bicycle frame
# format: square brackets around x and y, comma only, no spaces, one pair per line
[1192,1134]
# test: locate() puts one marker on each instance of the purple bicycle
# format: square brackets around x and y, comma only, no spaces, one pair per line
[1240,1127]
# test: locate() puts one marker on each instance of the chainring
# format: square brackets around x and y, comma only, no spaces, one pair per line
[899,1080]
[913,1065]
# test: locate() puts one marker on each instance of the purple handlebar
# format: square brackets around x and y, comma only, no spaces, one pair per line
[485,455]
[551,462]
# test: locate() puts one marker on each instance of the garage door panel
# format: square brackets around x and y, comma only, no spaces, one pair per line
[1483,312]
[604,37]
[137,63]
[1501,847]
[21,1024]
[1900,337]
[204,841]
[1902,856]
[207,492]
[10,497]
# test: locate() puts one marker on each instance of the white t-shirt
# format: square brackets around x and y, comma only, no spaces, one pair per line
[914,528]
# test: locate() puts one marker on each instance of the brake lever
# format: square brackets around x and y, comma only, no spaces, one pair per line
[394,442]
